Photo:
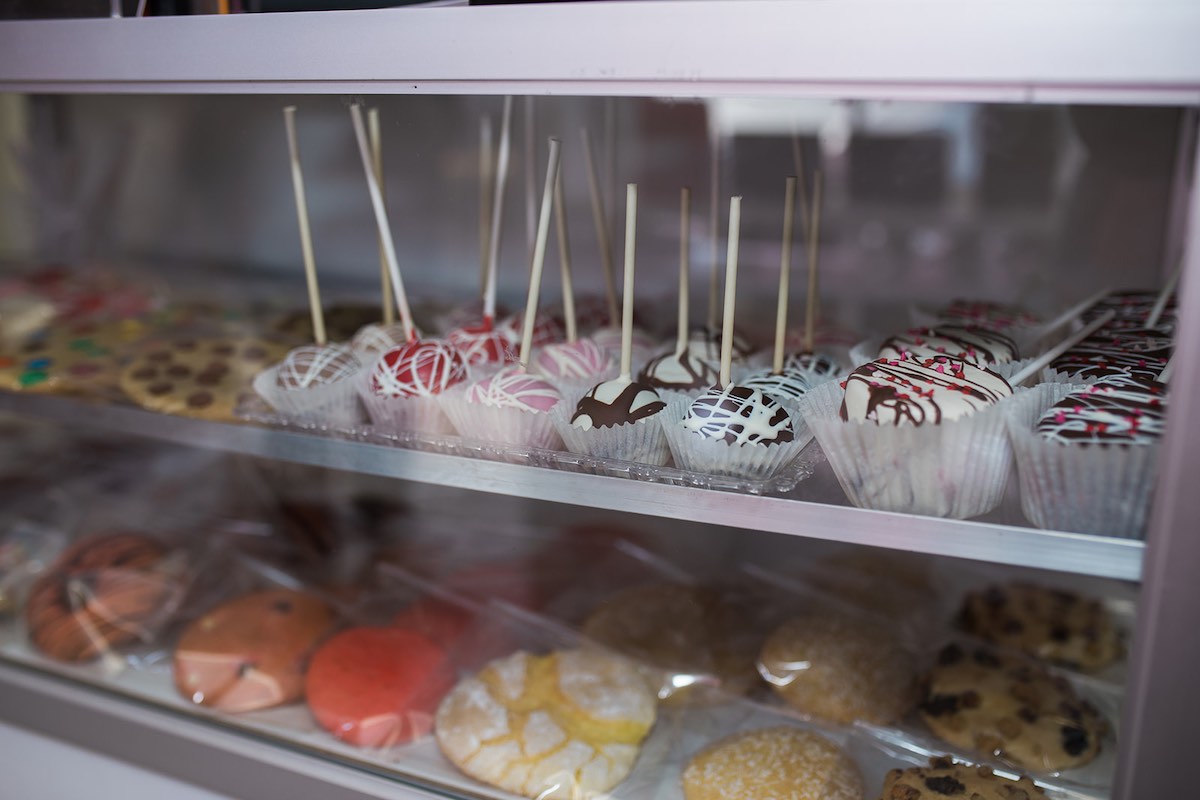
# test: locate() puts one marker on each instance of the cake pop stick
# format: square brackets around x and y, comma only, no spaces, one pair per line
[531,211]
[606,259]
[385,280]
[785,268]
[539,252]
[1074,311]
[1165,375]
[685,221]
[1035,366]
[714,220]
[798,165]
[814,248]
[609,192]
[564,259]
[310,267]
[627,291]
[385,231]
[1160,305]
[489,291]
[486,169]
[731,264]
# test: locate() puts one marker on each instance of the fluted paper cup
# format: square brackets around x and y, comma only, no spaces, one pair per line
[1085,488]
[328,404]
[420,414]
[642,441]
[957,469]
[718,457]
[503,425]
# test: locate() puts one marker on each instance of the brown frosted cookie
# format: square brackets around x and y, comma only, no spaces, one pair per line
[1011,708]
[840,669]
[682,631]
[251,652]
[944,778]
[81,359]
[565,725]
[102,592]
[778,763]
[1060,627]
[205,378]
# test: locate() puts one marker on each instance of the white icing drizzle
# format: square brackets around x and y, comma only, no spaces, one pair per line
[791,384]
[579,359]
[513,387]
[417,369]
[918,390]
[816,364]
[313,365]
[975,345]
[480,346]
[1123,411]
[739,415]
[679,371]
[374,339]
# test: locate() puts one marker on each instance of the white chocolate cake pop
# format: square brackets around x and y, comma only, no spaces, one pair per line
[316,365]
[616,402]
[739,415]
[817,364]
[513,387]
[790,384]
[371,340]
[706,344]
[678,371]
[579,359]
[417,369]
[916,391]
[978,346]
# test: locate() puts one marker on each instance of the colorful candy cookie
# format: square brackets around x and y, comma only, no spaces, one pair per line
[565,725]
[377,687]
[102,592]
[69,359]
[780,763]
[250,653]
[205,378]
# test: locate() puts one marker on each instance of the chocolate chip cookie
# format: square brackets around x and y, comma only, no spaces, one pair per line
[944,778]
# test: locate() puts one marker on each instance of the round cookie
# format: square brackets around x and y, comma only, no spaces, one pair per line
[1011,708]
[204,378]
[944,778]
[377,687]
[682,633]
[69,358]
[1057,626]
[102,592]
[839,669]
[779,763]
[250,653]
[564,725]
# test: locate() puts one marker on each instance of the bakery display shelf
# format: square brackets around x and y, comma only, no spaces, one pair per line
[844,50]
[815,509]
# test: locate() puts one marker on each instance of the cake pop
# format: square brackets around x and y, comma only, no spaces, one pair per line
[739,415]
[973,344]
[513,387]
[417,369]
[918,390]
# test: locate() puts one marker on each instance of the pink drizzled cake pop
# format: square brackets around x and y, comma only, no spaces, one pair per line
[513,387]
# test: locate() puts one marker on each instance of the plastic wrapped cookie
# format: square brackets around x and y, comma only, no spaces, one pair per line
[944,778]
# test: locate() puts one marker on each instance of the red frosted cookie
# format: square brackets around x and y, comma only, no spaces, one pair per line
[250,653]
[376,687]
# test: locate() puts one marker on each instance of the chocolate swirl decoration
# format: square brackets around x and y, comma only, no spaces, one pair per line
[678,372]
[978,346]
[739,415]
[916,391]
[1124,411]
[616,402]
[791,384]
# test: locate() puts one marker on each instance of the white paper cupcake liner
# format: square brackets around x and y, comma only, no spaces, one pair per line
[1098,489]
[491,424]
[958,469]
[419,414]
[716,456]
[329,404]
[642,441]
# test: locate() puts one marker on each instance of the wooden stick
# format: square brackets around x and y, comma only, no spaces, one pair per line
[385,280]
[1035,366]
[1074,311]
[306,248]
[714,221]
[531,211]
[731,265]
[381,222]
[627,295]
[685,223]
[1165,375]
[609,188]
[539,253]
[798,165]
[606,256]
[564,258]
[785,268]
[1160,305]
[814,249]
[486,170]
[489,290]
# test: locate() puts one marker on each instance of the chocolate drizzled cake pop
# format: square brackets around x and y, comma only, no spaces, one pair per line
[739,415]
[818,365]
[678,371]
[1121,412]
[917,391]
[790,384]
[976,345]
[985,314]
[616,402]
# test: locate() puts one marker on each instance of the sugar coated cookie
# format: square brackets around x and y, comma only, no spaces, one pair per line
[840,669]
[1011,708]
[1060,627]
[100,593]
[565,725]
[944,778]
[250,653]
[778,763]
[376,687]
